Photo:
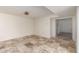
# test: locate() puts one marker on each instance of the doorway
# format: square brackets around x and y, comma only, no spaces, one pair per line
[64,28]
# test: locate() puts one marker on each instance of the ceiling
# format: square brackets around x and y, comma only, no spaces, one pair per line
[34,11]
[37,11]
[63,10]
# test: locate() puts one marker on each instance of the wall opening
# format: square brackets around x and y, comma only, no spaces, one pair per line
[64,28]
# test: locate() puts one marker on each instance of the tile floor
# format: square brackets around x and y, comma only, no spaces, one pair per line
[37,45]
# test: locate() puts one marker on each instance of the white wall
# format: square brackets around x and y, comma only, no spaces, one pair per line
[42,27]
[14,26]
[46,26]
[53,27]
[74,26]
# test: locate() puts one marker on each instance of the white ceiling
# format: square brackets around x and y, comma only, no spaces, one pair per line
[63,10]
[38,11]
[34,11]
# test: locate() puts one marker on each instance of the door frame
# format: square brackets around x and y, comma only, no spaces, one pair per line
[65,18]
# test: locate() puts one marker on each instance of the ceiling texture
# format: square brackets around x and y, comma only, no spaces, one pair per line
[38,11]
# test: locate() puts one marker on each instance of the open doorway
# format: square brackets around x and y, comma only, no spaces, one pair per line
[64,28]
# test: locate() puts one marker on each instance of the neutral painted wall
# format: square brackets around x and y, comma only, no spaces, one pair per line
[42,27]
[74,28]
[53,27]
[14,26]
[46,26]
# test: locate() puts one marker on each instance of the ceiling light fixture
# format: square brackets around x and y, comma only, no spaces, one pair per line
[26,13]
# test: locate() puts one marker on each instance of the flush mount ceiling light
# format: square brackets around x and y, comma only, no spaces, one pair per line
[26,13]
